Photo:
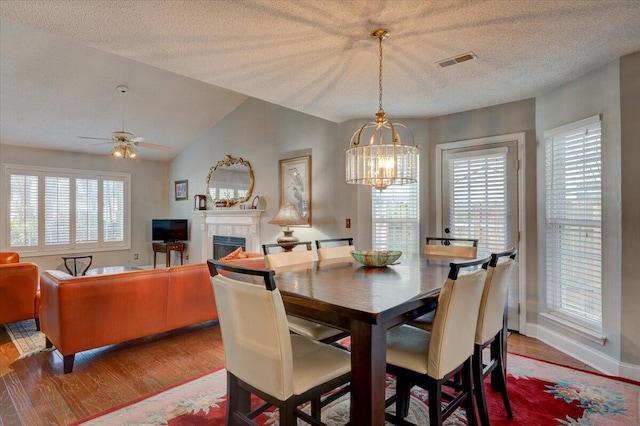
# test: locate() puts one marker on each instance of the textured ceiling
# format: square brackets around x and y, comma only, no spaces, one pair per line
[311,56]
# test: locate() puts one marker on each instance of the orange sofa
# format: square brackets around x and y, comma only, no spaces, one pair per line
[18,289]
[81,313]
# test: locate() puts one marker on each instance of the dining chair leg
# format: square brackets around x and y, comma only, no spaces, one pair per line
[435,402]
[478,385]
[287,416]
[502,379]
[403,392]
[238,399]
[316,408]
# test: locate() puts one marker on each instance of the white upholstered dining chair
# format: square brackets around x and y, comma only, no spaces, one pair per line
[431,359]
[263,358]
[451,247]
[334,248]
[297,325]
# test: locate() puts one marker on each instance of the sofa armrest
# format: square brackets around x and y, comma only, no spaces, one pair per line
[18,287]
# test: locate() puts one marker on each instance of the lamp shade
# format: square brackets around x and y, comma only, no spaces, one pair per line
[287,215]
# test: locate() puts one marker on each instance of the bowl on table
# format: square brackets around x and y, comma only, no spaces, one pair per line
[376,258]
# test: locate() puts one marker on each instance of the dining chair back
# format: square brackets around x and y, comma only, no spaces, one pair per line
[433,359]
[334,248]
[260,352]
[279,248]
[311,329]
[491,331]
[277,260]
[453,247]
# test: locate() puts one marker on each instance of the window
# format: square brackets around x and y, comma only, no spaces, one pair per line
[395,217]
[65,210]
[573,223]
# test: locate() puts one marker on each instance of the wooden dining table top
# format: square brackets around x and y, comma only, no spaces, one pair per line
[365,301]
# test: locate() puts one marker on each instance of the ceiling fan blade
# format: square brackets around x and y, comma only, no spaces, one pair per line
[99,139]
[136,139]
[152,146]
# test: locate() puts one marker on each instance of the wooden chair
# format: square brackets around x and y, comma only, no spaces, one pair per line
[453,247]
[444,356]
[260,352]
[297,325]
[333,248]
[491,332]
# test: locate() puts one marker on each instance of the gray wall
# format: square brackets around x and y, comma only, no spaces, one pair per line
[630,200]
[513,117]
[148,198]
[263,133]
[595,93]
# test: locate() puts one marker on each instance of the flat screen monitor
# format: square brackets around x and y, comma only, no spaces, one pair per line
[169,230]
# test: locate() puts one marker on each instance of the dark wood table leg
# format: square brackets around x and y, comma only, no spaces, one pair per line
[368,371]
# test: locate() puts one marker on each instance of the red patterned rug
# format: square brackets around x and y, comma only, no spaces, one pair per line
[540,393]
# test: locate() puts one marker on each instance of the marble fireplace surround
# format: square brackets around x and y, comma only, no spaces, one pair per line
[232,223]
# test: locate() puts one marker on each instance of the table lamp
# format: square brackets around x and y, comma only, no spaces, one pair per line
[286,216]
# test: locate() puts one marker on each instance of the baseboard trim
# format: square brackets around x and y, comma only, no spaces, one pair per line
[601,362]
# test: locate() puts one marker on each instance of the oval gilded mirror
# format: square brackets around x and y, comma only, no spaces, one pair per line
[230,181]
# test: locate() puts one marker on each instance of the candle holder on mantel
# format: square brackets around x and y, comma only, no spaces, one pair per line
[200,202]
[286,216]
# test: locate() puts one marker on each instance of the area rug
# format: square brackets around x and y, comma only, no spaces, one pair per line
[540,393]
[25,337]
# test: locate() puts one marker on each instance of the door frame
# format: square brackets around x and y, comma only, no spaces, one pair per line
[478,143]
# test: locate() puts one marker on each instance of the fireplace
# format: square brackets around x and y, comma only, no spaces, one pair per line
[223,245]
[228,227]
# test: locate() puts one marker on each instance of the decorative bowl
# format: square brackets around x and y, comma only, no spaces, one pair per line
[376,258]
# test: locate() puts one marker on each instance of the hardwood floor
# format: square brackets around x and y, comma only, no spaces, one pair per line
[34,391]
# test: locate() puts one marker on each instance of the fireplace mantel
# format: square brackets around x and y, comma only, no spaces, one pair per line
[230,222]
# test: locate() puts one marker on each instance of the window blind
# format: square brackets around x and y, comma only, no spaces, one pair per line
[395,217]
[86,212]
[57,193]
[573,222]
[113,210]
[478,198]
[23,210]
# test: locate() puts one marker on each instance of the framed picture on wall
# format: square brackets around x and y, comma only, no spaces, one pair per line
[182,189]
[295,185]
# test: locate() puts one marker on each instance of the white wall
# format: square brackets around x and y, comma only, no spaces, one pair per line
[148,198]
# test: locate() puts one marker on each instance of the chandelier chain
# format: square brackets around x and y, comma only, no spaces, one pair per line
[380,37]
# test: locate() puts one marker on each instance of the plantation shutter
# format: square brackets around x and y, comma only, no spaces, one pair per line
[23,210]
[113,213]
[395,218]
[478,199]
[87,226]
[573,222]
[57,198]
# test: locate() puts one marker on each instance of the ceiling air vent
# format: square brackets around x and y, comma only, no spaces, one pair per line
[456,60]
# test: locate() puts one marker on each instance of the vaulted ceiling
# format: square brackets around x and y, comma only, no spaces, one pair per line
[189,63]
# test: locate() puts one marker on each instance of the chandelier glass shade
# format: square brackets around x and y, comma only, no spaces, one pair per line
[381,160]
[123,150]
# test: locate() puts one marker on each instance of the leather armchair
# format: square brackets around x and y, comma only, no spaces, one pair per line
[18,289]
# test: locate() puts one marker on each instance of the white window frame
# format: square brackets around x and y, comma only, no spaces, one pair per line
[554,311]
[411,245]
[72,247]
[522,212]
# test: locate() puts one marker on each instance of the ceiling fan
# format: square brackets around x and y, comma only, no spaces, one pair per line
[126,142]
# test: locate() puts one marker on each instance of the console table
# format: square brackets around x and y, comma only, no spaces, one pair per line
[167,248]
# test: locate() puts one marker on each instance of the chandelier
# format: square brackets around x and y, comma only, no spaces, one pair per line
[384,160]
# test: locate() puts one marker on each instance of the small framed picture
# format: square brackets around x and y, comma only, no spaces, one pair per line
[182,190]
[295,185]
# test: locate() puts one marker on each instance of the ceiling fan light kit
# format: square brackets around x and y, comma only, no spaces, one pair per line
[126,141]
[383,161]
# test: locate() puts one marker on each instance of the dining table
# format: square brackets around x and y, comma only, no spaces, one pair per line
[366,302]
